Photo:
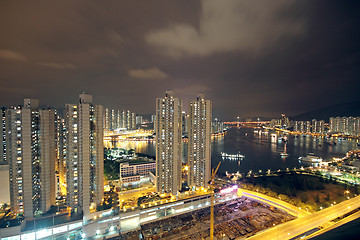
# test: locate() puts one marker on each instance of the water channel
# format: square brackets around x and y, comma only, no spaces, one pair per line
[263,150]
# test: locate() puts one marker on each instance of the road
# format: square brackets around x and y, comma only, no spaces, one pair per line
[335,225]
[278,203]
[307,222]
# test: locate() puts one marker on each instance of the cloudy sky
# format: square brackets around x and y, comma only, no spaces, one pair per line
[249,57]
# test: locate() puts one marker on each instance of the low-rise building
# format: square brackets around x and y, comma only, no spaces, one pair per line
[133,174]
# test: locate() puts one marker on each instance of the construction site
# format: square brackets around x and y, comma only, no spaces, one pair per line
[238,218]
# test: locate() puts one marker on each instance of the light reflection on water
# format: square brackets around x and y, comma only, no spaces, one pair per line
[147,147]
[262,150]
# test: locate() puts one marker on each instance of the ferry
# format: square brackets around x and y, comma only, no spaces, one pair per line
[284,154]
[237,156]
[311,160]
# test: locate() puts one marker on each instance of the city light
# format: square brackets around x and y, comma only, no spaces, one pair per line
[229,190]
[253,87]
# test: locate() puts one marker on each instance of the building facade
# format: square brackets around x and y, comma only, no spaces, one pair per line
[115,120]
[84,156]
[134,173]
[185,123]
[199,145]
[168,129]
[3,137]
[30,142]
[345,125]
[60,166]
[217,126]
[127,169]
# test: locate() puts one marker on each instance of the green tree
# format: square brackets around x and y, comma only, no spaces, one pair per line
[304,198]
[327,197]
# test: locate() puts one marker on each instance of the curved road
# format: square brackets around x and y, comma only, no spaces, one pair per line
[304,222]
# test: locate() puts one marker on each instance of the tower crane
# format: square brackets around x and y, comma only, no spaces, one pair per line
[211,183]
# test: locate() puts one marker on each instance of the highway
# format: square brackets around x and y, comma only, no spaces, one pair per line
[335,225]
[307,222]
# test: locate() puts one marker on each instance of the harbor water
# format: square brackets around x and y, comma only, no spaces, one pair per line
[263,150]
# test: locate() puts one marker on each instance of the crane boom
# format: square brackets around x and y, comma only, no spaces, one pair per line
[212,201]
[214,173]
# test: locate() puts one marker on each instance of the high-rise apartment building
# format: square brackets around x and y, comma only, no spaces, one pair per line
[168,128]
[30,151]
[317,126]
[139,120]
[307,126]
[284,121]
[199,145]
[107,119]
[357,126]
[345,125]
[3,137]
[217,126]
[60,165]
[115,119]
[185,123]
[84,157]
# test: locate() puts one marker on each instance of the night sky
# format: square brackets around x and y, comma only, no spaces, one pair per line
[251,58]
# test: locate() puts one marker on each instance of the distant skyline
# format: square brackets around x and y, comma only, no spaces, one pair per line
[250,58]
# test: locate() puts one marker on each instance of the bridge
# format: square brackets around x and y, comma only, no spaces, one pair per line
[114,136]
[247,124]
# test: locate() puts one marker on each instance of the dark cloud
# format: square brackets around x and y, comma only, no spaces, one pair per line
[150,73]
[248,57]
[229,25]
[59,65]
[11,55]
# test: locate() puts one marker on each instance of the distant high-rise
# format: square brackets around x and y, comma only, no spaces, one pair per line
[139,120]
[217,126]
[307,126]
[345,125]
[115,120]
[30,151]
[199,145]
[107,119]
[185,123]
[133,121]
[168,144]
[317,126]
[152,118]
[84,158]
